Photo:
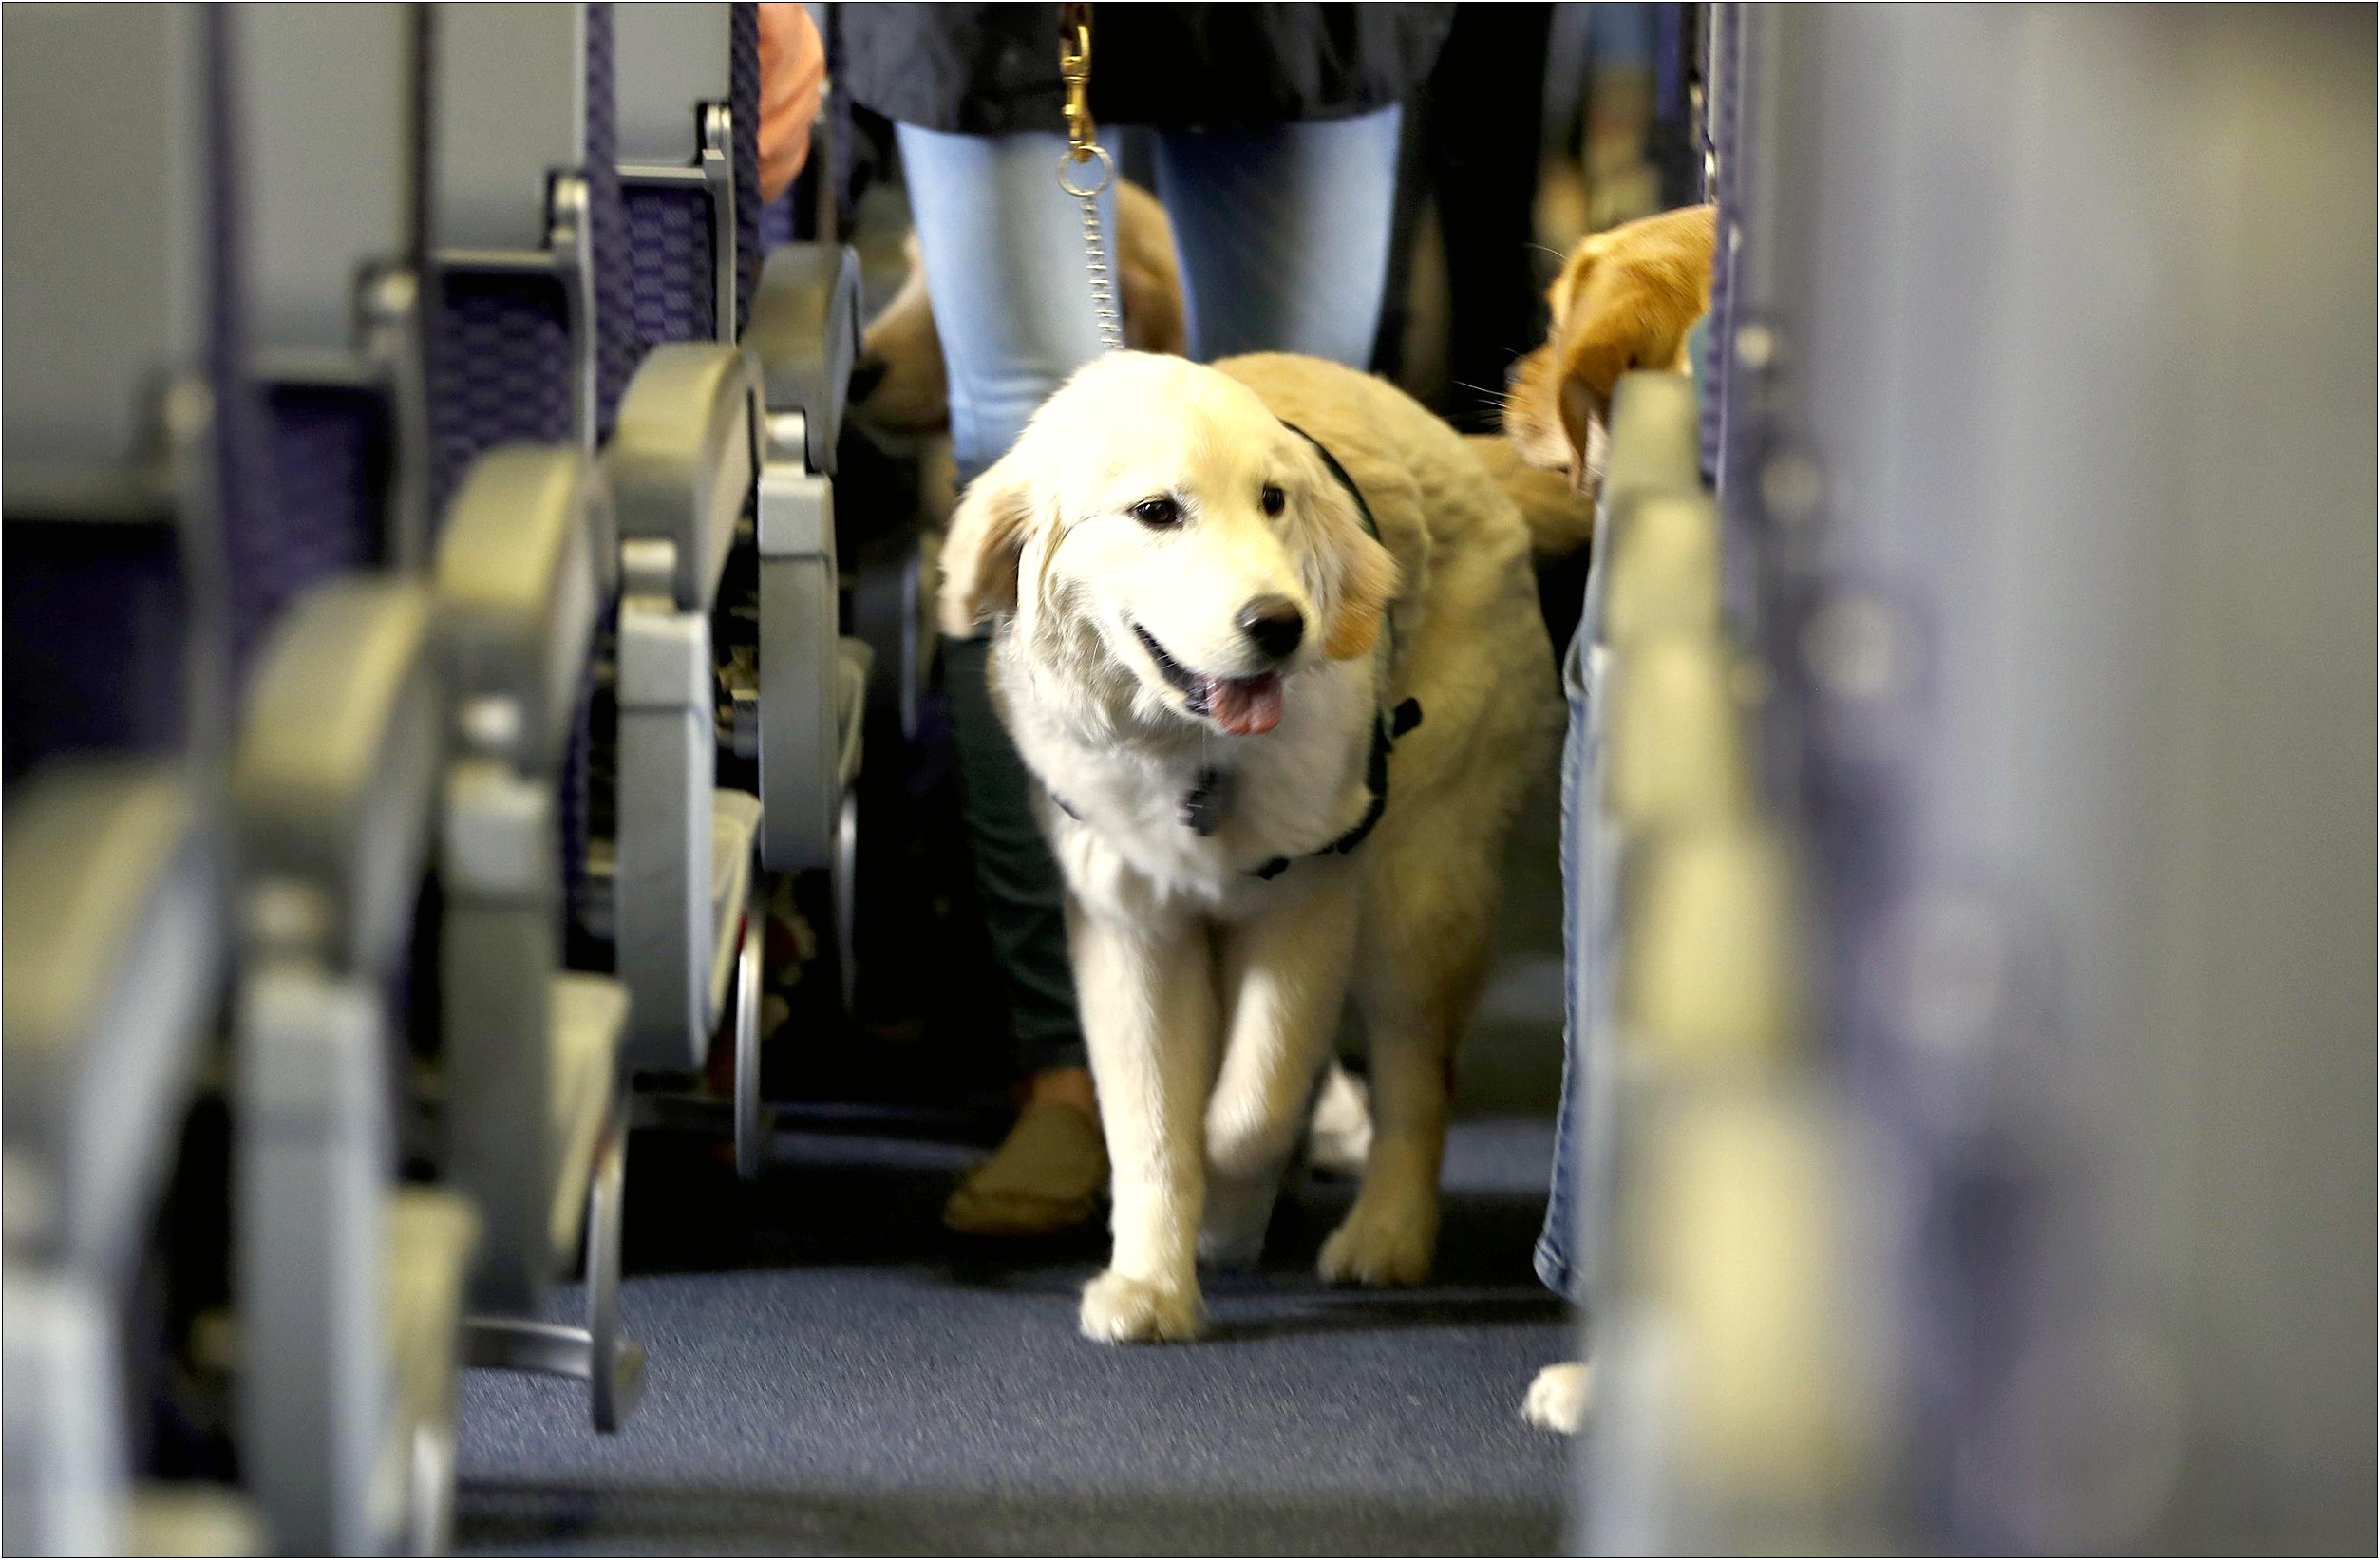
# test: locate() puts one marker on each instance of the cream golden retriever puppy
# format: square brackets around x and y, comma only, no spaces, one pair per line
[1266,633]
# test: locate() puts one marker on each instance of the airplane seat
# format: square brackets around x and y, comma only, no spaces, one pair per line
[743,577]
[138,430]
[535,1127]
[527,353]
[350,1283]
[348,1424]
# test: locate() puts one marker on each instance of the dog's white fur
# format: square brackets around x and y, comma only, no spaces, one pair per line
[1210,996]
[1559,1396]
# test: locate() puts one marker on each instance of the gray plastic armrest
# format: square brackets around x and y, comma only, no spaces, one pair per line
[113,955]
[187,1518]
[521,575]
[500,942]
[855,660]
[800,715]
[661,875]
[735,820]
[804,330]
[588,1015]
[336,773]
[683,458]
[430,1238]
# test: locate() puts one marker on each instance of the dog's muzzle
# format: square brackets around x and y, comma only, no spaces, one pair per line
[1245,706]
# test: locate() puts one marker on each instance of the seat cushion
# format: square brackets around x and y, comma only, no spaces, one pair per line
[735,820]
[853,661]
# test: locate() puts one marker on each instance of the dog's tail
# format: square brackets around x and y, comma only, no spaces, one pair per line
[1561,521]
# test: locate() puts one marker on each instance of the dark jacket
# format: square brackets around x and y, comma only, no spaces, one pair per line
[991,69]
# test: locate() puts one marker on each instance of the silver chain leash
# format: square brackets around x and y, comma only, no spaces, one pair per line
[1103,310]
[1074,65]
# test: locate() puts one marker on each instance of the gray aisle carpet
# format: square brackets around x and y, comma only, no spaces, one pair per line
[838,1378]
[832,1374]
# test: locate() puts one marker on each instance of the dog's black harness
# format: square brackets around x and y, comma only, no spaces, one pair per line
[1203,805]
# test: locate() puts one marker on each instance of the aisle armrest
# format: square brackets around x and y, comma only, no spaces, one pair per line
[804,330]
[683,458]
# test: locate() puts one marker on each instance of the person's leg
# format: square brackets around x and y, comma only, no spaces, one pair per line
[1005,267]
[1011,300]
[1283,233]
[1482,113]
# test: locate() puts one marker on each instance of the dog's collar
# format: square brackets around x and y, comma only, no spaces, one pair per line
[1371,527]
[1386,725]
[1205,803]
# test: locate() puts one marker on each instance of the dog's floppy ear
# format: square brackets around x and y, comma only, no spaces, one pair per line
[980,555]
[1364,572]
[1590,372]
[1626,301]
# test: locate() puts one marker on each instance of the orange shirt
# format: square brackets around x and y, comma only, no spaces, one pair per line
[793,76]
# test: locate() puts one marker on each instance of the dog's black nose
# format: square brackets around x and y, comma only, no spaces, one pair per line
[1275,624]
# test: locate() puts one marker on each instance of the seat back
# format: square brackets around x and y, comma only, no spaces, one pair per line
[678,134]
[131,448]
[529,334]
[330,109]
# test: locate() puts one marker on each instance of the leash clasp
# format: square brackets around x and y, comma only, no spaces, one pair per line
[1074,68]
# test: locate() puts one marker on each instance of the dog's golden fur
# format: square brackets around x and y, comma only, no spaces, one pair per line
[1209,993]
[1625,300]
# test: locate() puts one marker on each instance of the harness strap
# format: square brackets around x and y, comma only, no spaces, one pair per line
[1385,728]
[1371,527]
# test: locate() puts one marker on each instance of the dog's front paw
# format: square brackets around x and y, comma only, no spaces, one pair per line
[1119,1309]
[1559,1398]
[1381,1242]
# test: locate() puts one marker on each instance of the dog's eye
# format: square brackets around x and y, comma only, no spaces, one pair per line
[1157,513]
[1274,499]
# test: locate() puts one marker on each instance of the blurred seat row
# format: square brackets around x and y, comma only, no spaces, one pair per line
[1968,804]
[423,636]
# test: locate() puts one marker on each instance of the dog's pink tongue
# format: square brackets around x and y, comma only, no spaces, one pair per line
[1246,705]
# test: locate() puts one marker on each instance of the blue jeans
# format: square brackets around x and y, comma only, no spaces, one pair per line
[1579,1201]
[1282,233]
